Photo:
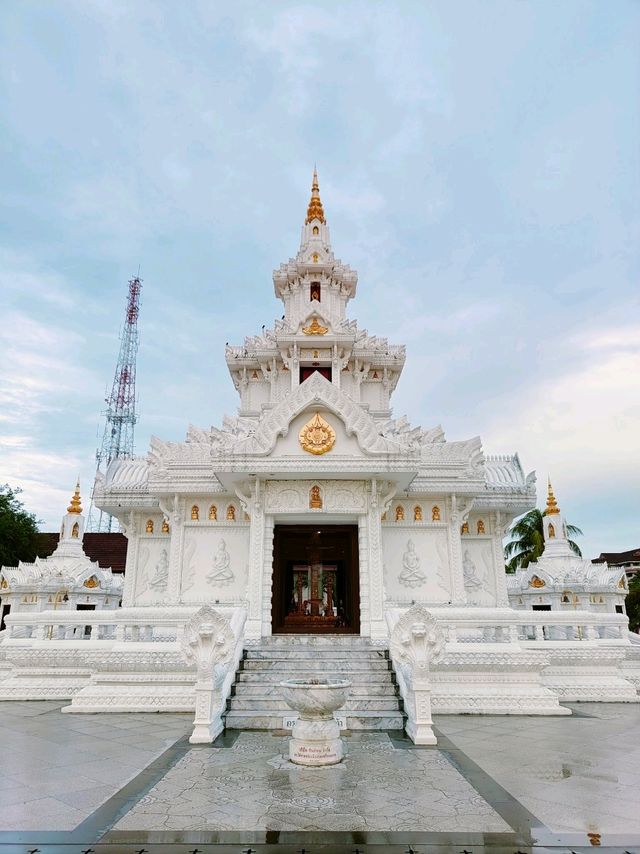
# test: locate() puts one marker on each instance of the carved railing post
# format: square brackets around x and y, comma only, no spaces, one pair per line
[417,640]
[208,642]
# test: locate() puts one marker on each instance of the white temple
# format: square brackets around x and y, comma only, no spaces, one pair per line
[313,531]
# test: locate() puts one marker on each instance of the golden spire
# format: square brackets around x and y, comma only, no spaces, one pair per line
[552,508]
[315,211]
[75,506]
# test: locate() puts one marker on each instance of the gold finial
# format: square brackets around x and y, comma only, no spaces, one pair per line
[75,506]
[552,508]
[315,211]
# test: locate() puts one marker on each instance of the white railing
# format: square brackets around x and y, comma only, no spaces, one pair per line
[124,625]
[461,625]
[492,625]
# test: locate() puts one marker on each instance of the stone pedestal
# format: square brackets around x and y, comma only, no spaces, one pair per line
[315,740]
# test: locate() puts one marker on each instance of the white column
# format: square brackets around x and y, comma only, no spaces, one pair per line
[458,593]
[500,529]
[176,547]
[260,567]
[132,534]
[372,525]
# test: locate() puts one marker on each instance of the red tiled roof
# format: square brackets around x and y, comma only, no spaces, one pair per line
[110,550]
[613,558]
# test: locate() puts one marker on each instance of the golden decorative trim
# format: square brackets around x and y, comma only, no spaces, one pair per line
[317,436]
[314,328]
[537,582]
[75,506]
[552,508]
[315,210]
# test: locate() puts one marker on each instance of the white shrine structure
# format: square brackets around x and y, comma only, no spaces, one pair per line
[314,532]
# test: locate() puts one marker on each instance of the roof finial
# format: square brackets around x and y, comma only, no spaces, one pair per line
[315,211]
[552,508]
[75,506]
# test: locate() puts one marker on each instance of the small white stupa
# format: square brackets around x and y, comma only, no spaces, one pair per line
[67,579]
[560,580]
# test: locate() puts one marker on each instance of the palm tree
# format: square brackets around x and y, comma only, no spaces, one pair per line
[527,540]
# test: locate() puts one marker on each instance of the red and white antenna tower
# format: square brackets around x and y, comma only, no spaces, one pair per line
[117,440]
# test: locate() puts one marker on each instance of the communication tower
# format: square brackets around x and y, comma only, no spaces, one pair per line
[120,415]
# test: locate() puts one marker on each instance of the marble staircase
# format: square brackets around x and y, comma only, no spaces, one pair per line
[256,703]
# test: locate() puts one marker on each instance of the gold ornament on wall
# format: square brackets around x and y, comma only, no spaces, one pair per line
[195,512]
[465,528]
[536,582]
[231,513]
[314,328]
[481,529]
[317,436]
[91,582]
[165,526]
[315,499]
[417,513]
[399,513]
[149,526]
[435,513]
[213,512]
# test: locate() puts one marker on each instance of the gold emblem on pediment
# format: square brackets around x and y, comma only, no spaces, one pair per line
[622,583]
[4,584]
[91,582]
[536,581]
[314,328]
[317,436]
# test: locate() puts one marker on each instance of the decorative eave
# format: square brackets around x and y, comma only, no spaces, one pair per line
[320,392]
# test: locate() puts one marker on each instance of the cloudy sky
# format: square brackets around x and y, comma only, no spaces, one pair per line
[479,167]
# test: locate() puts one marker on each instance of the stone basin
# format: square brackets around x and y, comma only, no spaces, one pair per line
[315,698]
[315,739]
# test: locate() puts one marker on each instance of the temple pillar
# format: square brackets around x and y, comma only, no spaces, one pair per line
[371,569]
[132,533]
[500,528]
[260,567]
[175,510]
[456,512]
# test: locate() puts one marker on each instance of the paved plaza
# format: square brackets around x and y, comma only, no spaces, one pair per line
[505,783]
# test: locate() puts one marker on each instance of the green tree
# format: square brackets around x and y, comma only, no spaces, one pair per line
[632,603]
[18,529]
[527,540]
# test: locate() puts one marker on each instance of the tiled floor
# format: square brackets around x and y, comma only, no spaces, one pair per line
[134,777]
[575,774]
[252,785]
[56,769]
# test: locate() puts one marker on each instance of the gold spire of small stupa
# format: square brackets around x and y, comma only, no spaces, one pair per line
[552,508]
[75,506]
[315,211]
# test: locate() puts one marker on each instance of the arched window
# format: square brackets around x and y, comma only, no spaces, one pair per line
[316,230]
[552,531]
[195,512]
[213,512]
[75,530]
[315,291]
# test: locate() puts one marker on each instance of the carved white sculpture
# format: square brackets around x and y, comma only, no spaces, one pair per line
[221,572]
[411,574]
[416,641]
[208,642]
[469,572]
[159,580]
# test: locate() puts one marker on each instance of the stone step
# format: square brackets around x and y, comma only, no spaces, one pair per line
[303,641]
[314,664]
[267,719]
[277,654]
[356,705]
[356,677]
[273,689]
